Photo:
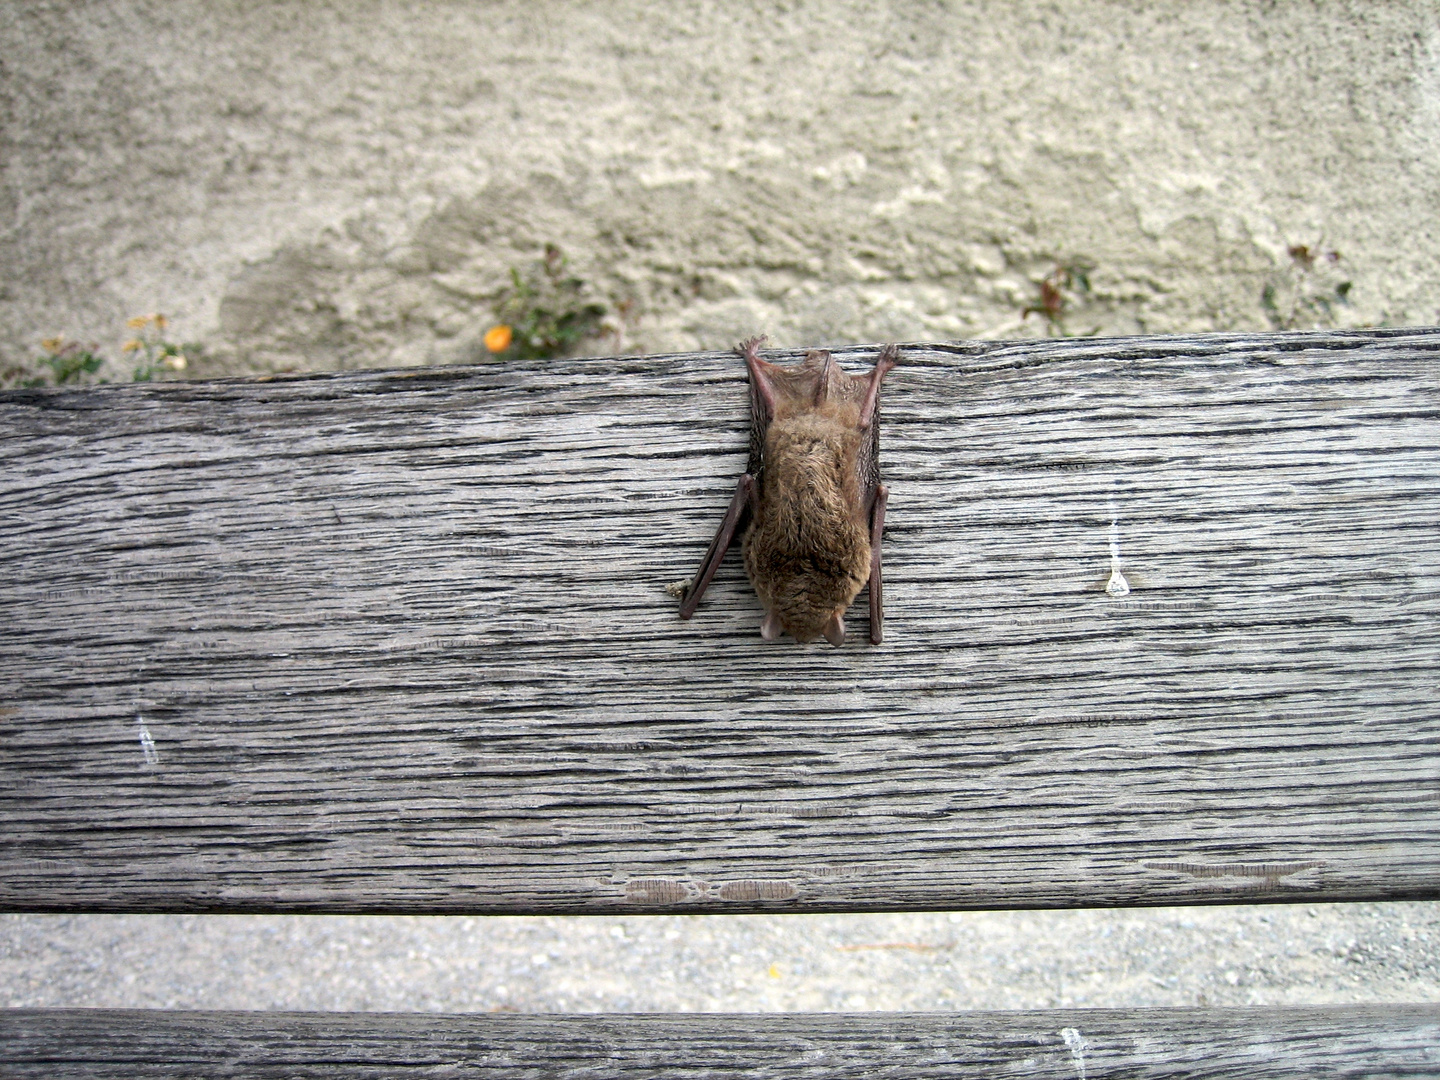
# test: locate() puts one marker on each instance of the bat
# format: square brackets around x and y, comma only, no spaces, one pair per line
[810,506]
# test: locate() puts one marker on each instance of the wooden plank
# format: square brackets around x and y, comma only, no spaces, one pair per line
[1329,1041]
[400,641]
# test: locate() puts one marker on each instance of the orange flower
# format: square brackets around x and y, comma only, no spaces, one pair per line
[498,338]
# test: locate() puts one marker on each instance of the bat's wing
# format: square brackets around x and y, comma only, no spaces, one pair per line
[877,529]
[868,466]
[735,518]
[867,388]
[763,392]
[762,410]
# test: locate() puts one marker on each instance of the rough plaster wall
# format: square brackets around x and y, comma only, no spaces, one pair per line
[309,185]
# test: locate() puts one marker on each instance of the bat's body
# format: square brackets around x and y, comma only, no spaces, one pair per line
[811,496]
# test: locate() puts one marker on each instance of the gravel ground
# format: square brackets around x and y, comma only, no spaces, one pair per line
[1329,953]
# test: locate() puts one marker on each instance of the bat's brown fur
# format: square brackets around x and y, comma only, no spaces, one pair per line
[807,550]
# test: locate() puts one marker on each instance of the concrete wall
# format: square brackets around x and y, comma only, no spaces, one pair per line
[312,185]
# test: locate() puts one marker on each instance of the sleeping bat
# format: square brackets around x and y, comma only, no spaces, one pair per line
[811,505]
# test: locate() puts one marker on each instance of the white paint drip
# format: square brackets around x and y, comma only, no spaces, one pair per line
[147,744]
[1117,585]
[1077,1046]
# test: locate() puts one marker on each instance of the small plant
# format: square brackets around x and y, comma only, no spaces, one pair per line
[153,355]
[1059,289]
[546,313]
[1308,291]
[67,360]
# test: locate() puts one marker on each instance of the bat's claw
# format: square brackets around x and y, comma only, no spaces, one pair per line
[749,346]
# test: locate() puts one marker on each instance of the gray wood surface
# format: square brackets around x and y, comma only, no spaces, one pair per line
[1074,1044]
[401,642]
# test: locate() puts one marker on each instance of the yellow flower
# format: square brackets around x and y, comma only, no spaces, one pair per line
[53,344]
[132,345]
[498,338]
[137,322]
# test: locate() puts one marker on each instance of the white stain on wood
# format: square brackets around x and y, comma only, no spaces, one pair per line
[147,744]
[1077,1044]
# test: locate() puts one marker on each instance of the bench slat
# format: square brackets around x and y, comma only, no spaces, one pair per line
[399,641]
[1332,1041]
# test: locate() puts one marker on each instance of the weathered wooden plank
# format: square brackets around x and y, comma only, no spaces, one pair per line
[1332,1041]
[400,641]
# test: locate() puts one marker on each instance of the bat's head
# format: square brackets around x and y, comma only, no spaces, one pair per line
[805,597]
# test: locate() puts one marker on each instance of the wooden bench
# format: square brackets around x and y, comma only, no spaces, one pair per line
[400,642]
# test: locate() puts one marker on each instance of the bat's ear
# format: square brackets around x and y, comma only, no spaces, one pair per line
[835,630]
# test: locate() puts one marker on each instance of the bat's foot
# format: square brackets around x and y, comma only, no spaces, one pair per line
[750,346]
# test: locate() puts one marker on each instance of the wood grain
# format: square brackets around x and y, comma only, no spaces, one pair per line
[1253,1044]
[400,641]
